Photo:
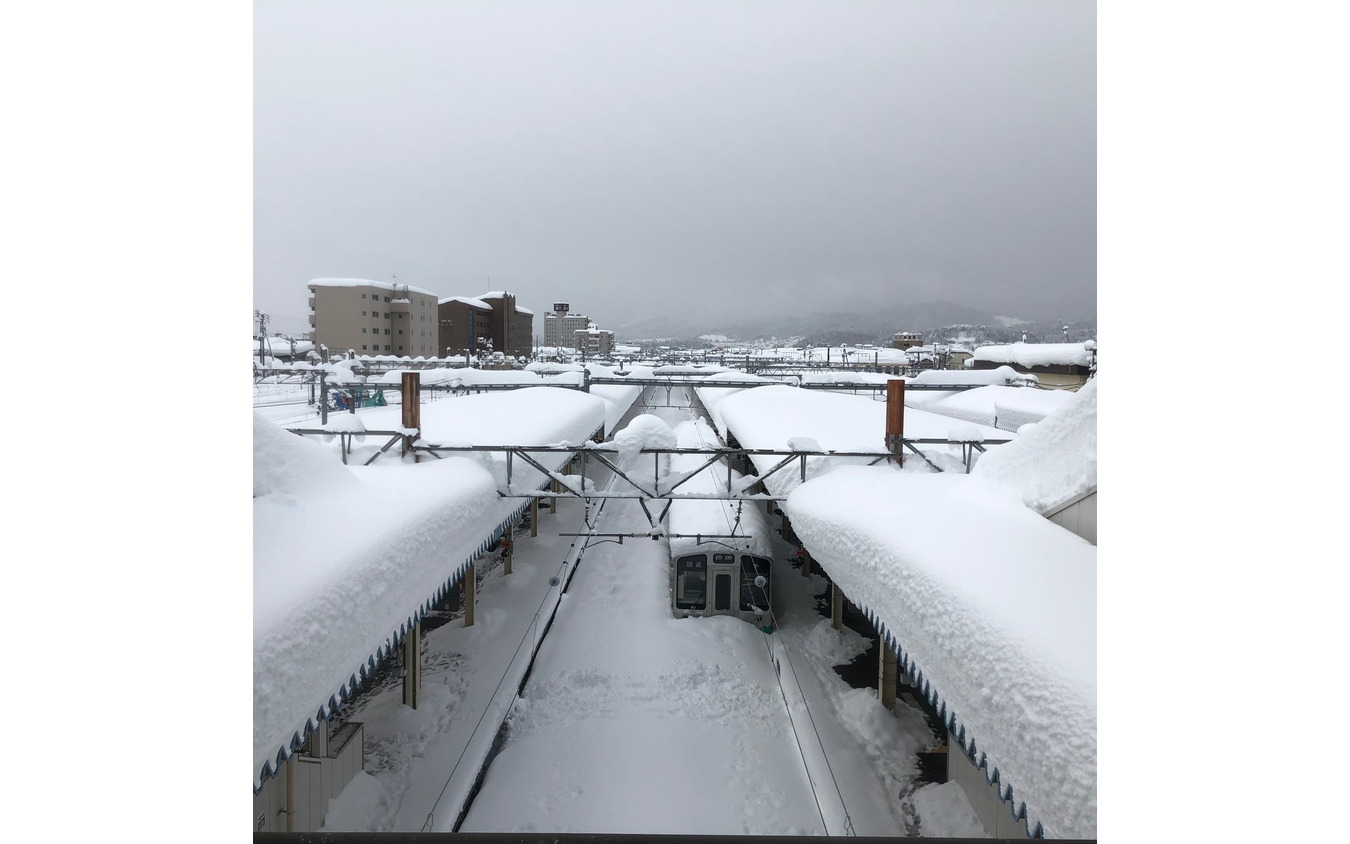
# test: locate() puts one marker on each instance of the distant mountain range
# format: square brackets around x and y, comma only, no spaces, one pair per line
[935,320]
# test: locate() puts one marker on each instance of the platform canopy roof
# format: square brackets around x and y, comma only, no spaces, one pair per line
[347,558]
[991,610]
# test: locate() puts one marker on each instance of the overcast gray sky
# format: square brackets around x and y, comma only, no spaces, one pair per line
[636,158]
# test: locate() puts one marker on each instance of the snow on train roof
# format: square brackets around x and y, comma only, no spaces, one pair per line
[1006,408]
[772,417]
[1052,461]
[711,517]
[1038,354]
[991,606]
[330,601]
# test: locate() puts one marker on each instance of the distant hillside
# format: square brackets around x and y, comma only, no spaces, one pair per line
[935,320]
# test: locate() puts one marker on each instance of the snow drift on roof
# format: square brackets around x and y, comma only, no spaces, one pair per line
[1052,461]
[711,397]
[992,606]
[365,282]
[1037,354]
[1006,408]
[467,300]
[1001,375]
[769,417]
[1004,375]
[329,601]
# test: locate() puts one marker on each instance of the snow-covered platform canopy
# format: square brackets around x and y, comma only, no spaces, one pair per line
[1038,354]
[347,559]
[990,608]
[787,417]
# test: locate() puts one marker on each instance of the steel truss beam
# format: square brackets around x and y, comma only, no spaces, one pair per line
[675,381]
[714,455]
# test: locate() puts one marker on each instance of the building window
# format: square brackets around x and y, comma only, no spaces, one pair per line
[386,331]
[363,296]
[400,348]
[386,299]
[386,347]
[400,331]
[363,348]
[363,331]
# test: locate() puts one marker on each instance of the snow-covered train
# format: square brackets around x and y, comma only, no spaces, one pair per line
[721,552]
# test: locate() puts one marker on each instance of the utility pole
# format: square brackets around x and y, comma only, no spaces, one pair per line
[262,336]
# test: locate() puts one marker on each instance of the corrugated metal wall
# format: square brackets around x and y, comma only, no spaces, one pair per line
[995,815]
[1079,517]
[317,780]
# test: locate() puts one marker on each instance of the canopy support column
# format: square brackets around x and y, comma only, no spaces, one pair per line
[886,677]
[470,594]
[412,666]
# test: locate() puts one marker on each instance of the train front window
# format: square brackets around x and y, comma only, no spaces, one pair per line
[691,582]
[754,597]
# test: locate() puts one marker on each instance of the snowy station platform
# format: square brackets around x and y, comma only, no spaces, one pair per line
[989,606]
[346,559]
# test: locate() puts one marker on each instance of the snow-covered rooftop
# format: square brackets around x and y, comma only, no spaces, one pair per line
[365,282]
[330,600]
[990,606]
[1054,460]
[773,417]
[1006,408]
[1037,354]
[467,300]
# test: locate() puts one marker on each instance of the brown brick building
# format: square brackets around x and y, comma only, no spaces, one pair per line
[467,322]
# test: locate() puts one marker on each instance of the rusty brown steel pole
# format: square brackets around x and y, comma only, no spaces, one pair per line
[895,417]
[412,408]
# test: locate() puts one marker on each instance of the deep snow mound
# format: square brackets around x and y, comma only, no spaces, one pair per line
[284,463]
[1053,460]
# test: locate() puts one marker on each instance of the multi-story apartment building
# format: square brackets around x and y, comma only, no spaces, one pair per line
[560,328]
[594,341]
[512,325]
[465,325]
[372,317]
